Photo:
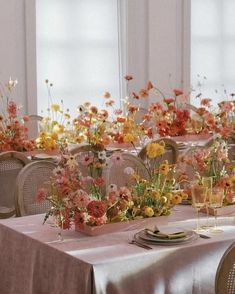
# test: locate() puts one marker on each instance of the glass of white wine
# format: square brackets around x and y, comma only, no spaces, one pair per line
[208,183]
[199,193]
[215,202]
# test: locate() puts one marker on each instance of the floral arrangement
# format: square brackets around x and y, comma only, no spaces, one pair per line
[81,199]
[13,132]
[55,127]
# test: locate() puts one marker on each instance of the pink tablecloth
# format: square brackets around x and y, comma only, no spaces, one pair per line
[32,261]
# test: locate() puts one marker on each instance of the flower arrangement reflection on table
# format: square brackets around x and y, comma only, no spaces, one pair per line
[13,132]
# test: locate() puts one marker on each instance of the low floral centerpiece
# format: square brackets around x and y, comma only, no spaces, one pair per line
[86,200]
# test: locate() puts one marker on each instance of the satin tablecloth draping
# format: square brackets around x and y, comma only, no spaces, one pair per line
[33,261]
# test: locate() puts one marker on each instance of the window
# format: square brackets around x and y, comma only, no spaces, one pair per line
[212,48]
[78,51]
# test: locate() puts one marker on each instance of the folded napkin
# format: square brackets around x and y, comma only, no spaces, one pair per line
[165,236]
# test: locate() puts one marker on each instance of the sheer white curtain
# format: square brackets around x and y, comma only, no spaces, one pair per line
[77,50]
[213,48]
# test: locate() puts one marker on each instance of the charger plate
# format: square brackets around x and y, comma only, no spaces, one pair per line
[190,236]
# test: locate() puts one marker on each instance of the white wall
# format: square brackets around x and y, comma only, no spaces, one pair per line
[154,41]
[12,49]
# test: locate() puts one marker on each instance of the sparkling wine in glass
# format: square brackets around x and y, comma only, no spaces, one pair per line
[199,193]
[215,202]
[208,183]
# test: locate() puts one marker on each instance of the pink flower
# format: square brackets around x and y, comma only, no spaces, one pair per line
[112,196]
[124,193]
[12,109]
[117,112]
[128,77]
[81,199]
[86,159]
[178,92]
[230,197]
[99,181]
[116,158]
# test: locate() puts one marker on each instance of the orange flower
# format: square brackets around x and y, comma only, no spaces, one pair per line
[205,102]
[106,95]
[135,96]
[128,77]
[149,86]
[178,92]
[143,93]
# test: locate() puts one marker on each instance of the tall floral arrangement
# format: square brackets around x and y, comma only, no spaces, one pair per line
[13,132]
[55,125]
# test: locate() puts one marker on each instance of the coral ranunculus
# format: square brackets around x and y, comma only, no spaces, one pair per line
[96,208]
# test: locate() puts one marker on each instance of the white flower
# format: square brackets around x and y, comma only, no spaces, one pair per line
[102,155]
[129,170]
[112,188]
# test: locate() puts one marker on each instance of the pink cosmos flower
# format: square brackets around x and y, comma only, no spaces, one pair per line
[81,199]
[117,158]
[86,159]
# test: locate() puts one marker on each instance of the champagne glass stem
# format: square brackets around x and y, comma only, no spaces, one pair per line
[215,213]
[207,215]
[198,220]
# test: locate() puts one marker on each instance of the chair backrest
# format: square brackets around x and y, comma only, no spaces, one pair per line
[11,163]
[225,274]
[32,177]
[191,107]
[115,174]
[171,153]
[80,152]
[33,125]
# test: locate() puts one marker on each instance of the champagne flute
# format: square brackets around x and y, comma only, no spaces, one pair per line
[199,193]
[207,182]
[215,202]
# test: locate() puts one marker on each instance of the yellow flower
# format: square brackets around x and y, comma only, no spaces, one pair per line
[55,107]
[128,138]
[164,168]
[232,179]
[169,196]
[66,116]
[156,194]
[59,129]
[154,150]
[148,211]
[176,199]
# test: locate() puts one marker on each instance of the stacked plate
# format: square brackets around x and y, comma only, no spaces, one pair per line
[159,238]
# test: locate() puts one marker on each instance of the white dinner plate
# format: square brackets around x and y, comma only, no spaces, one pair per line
[142,235]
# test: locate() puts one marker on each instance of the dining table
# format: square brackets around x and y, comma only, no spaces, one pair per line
[33,260]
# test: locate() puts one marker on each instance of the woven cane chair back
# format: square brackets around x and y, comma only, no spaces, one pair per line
[116,173]
[34,176]
[225,275]
[11,163]
[171,153]
[82,152]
